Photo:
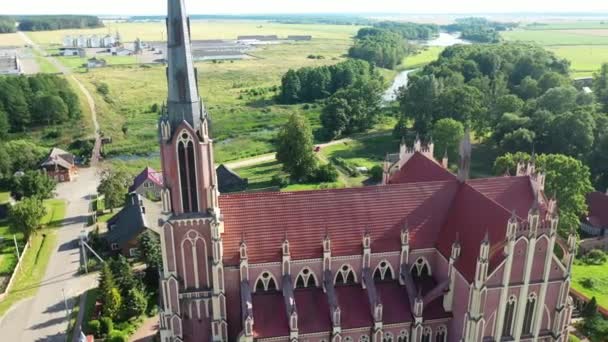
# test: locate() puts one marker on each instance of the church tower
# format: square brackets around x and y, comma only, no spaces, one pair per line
[192,282]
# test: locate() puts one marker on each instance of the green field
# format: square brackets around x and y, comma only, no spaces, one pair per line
[242,124]
[584,44]
[421,58]
[202,29]
[599,274]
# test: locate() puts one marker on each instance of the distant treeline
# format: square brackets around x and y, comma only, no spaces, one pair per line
[32,101]
[7,25]
[479,30]
[334,19]
[412,31]
[310,84]
[48,22]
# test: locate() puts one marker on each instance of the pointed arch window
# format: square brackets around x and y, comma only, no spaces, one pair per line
[529,315]
[421,270]
[364,338]
[345,276]
[306,278]
[265,283]
[507,328]
[403,335]
[348,339]
[383,271]
[426,335]
[388,337]
[187,172]
[441,334]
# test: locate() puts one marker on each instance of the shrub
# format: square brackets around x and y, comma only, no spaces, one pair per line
[376,173]
[135,303]
[587,283]
[325,173]
[93,327]
[103,88]
[280,181]
[117,336]
[595,257]
[106,326]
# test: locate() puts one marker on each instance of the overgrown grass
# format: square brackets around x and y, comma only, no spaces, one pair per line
[36,258]
[586,59]
[599,278]
[242,125]
[260,176]
[421,58]
[45,67]
[556,37]
[365,152]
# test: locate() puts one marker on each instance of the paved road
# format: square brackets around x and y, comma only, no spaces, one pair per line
[68,72]
[264,158]
[43,318]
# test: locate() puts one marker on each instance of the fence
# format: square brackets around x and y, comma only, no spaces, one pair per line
[579,301]
[14,275]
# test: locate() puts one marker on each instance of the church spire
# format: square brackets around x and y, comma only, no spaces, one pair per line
[184,103]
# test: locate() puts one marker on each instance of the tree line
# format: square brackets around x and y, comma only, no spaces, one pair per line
[33,101]
[407,30]
[7,25]
[310,84]
[58,22]
[479,30]
[381,47]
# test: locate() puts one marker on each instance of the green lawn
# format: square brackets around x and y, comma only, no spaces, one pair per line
[599,275]
[45,67]
[37,256]
[78,62]
[586,59]
[4,196]
[260,176]
[364,152]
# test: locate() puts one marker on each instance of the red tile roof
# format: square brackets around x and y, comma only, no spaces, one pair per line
[513,193]
[269,316]
[264,219]
[421,169]
[471,216]
[395,303]
[147,174]
[313,310]
[598,209]
[354,307]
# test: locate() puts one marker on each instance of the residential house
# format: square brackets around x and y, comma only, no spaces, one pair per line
[148,183]
[60,165]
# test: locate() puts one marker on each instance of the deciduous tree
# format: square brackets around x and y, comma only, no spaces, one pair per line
[295,148]
[25,216]
[447,134]
[114,185]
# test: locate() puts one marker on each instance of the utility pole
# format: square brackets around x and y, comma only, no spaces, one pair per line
[84,252]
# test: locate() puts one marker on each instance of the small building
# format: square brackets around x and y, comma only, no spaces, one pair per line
[108,41]
[119,51]
[596,222]
[299,38]
[94,41]
[10,65]
[68,41]
[60,165]
[96,63]
[148,183]
[82,41]
[72,52]
[125,228]
[230,181]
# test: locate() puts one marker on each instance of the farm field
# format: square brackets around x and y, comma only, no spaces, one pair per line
[204,29]
[584,44]
[237,94]
[599,274]
[11,39]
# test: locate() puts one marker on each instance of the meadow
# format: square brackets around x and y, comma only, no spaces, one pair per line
[11,39]
[238,95]
[202,29]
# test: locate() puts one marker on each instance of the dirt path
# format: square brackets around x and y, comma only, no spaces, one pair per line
[68,73]
[147,331]
[264,158]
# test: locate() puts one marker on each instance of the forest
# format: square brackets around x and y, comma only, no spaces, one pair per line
[7,25]
[310,84]
[34,101]
[480,30]
[57,22]
[517,97]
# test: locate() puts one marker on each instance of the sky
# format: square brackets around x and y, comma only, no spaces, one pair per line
[158,7]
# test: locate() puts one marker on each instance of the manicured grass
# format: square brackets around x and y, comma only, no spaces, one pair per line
[202,29]
[599,275]
[586,59]
[422,58]
[242,125]
[11,39]
[36,257]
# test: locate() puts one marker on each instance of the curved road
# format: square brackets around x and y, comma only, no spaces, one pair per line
[43,317]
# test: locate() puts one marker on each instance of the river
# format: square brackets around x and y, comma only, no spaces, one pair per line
[444,40]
